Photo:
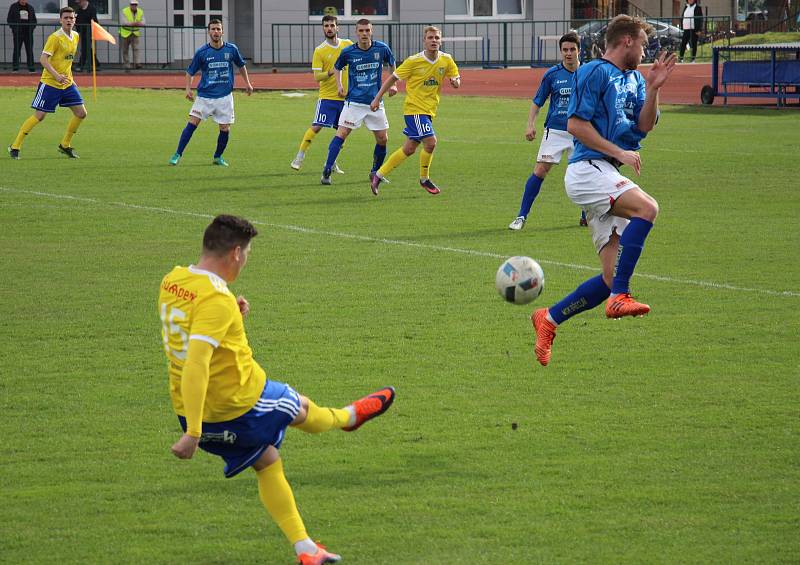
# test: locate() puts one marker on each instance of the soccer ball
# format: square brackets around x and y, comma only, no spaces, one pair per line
[519,280]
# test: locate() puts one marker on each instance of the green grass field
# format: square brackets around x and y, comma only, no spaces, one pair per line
[668,439]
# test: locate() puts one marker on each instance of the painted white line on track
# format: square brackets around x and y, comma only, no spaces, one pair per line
[399,242]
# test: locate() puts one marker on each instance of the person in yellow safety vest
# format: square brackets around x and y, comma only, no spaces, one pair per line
[130,29]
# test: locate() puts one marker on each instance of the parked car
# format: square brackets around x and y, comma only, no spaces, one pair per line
[593,38]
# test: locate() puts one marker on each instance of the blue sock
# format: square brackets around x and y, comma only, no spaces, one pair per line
[333,151]
[186,135]
[222,143]
[378,157]
[589,294]
[631,243]
[532,188]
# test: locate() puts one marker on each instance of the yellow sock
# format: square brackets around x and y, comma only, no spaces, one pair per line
[26,128]
[394,161]
[308,137]
[72,127]
[276,496]
[324,419]
[425,159]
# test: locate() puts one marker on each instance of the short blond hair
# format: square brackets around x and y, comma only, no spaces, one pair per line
[430,28]
[623,25]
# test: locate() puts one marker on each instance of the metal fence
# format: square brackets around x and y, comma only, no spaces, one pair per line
[164,47]
[487,44]
[492,44]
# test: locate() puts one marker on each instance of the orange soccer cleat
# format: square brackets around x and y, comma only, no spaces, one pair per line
[624,305]
[321,556]
[545,334]
[371,406]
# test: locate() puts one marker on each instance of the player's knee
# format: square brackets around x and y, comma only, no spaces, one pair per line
[649,209]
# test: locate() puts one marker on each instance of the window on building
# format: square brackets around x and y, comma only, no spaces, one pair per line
[196,13]
[350,9]
[46,8]
[454,9]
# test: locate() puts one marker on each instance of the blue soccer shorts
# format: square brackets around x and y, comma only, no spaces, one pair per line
[328,112]
[241,441]
[48,97]
[418,126]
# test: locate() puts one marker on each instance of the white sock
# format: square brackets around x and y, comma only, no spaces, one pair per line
[301,155]
[352,420]
[305,546]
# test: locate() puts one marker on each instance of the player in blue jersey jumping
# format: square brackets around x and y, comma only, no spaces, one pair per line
[557,86]
[611,110]
[215,61]
[364,61]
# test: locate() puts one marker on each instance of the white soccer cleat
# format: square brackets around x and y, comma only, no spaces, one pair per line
[336,169]
[298,161]
[517,224]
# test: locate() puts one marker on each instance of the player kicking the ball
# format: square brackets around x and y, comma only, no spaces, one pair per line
[424,72]
[611,110]
[215,61]
[224,401]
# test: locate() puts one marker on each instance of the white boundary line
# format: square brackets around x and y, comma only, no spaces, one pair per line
[356,237]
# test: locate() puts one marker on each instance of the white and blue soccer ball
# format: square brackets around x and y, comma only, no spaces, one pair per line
[519,280]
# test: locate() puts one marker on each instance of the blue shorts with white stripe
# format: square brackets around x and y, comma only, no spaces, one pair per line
[241,441]
[418,126]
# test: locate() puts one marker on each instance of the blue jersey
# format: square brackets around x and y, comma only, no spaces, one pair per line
[216,68]
[364,70]
[611,100]
[556,85]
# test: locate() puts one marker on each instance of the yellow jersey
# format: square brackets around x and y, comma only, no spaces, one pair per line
[196,304]
[325,56]
[61,48]
[424,80]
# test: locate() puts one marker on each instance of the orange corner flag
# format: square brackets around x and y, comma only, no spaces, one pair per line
[99,33]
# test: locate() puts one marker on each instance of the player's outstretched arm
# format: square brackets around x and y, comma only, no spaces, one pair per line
[387,85]
[659,73]
[248,86]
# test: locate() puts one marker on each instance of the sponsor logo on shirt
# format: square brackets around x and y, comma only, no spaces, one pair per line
[178,291]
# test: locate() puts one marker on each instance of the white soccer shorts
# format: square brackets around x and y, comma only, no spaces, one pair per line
[594,185]
[354,114]
[554,144]
[221,109]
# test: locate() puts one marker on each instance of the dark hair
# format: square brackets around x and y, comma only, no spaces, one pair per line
[227,232]
[363,22]
[329,18]
[569,37]
[214,21]
[65,9]
[623,25]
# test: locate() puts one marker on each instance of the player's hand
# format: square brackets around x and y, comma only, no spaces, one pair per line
[375,104]
[185,447]
[633,159]
[342,93]
[661,69]
[530,135]
[244,305]
[249,89]
[392,90]
[455,82]
[62,79]
[190,95]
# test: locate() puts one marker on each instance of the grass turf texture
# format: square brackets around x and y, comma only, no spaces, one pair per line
[672,438]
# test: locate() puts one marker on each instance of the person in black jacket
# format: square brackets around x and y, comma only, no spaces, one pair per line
[691,24]
[85,12]
[22,20]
